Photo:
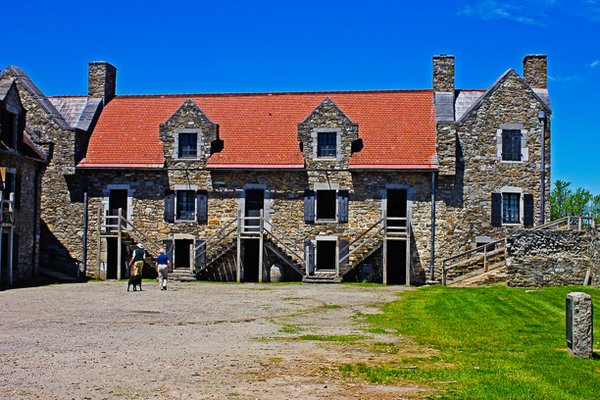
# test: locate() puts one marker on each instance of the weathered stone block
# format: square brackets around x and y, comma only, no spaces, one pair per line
[580,325]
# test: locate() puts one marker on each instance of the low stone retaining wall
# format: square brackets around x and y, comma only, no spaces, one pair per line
[551,258]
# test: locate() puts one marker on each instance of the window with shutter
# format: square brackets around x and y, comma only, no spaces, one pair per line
[326,204]
[186,205]
[511,208]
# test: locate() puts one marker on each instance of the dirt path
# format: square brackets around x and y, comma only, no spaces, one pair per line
[194,341]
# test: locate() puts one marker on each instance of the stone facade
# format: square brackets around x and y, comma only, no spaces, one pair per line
[550,258]
[469,170]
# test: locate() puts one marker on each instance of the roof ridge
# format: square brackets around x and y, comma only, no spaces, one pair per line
[233,94]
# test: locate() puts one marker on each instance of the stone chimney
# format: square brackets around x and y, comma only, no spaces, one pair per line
[102,80]
[535,70]
[443,88]
[443,73]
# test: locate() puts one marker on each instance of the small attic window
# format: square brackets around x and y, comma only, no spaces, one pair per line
[326,144]
[188,145]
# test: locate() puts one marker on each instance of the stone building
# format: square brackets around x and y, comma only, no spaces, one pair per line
[326,186]
[21,167]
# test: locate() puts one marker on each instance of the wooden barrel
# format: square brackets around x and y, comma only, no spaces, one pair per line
[276,273]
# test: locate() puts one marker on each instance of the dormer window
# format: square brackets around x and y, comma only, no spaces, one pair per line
[326,144]
[188,145]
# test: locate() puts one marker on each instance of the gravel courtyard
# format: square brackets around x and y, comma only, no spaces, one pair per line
[194,341]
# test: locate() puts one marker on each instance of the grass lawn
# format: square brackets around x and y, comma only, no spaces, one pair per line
[485,343]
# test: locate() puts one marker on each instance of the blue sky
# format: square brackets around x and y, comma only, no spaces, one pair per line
[262,46]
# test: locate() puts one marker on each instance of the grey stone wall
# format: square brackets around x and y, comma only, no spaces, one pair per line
[549,258]
[463,201]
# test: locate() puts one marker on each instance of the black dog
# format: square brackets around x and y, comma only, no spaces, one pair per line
[135,280]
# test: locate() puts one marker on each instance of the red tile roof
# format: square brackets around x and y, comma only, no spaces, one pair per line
[260,130]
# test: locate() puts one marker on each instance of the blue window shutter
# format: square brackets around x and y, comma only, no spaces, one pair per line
[343,206]
[528,209]
[202,206]
[309,206]
[496,209]
[170,206]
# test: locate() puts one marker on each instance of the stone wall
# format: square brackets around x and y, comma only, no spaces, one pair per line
[550,258]
[26,214]
[463,201]
[284,206]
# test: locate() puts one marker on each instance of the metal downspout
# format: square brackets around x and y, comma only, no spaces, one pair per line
[432,258]
[85,229]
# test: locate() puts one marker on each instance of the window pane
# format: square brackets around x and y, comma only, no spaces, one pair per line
[188,145]
[186,205]
[510,207]
[326,145]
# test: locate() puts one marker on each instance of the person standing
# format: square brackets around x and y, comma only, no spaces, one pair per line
[164,267]
[137,260]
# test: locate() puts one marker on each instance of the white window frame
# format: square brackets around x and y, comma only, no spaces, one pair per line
[338,144]
[185,188]
[335,187]
[199,142]
[513,190]
[524,149]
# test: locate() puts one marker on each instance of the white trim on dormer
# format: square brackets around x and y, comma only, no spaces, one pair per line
[315,144]
[199,142]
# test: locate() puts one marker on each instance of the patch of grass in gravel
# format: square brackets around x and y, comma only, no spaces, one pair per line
[342,339]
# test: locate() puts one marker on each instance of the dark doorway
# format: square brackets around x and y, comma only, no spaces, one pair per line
[396,206]
[112,263]
[255,201]
[182,253]
[4,258]
[251,253]
[396,262]
[326,255]
[117,199]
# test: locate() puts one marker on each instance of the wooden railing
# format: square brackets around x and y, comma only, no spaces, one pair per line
[122,224]
[571,223]
[7,210]
[213,243]
[567,223]
[495,247]
[398,229]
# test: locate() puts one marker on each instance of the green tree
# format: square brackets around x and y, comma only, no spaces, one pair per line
[565,202]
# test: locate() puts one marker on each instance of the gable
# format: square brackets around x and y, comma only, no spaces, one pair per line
[511,95]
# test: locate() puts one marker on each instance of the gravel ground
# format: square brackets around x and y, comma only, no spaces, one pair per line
[194,341]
